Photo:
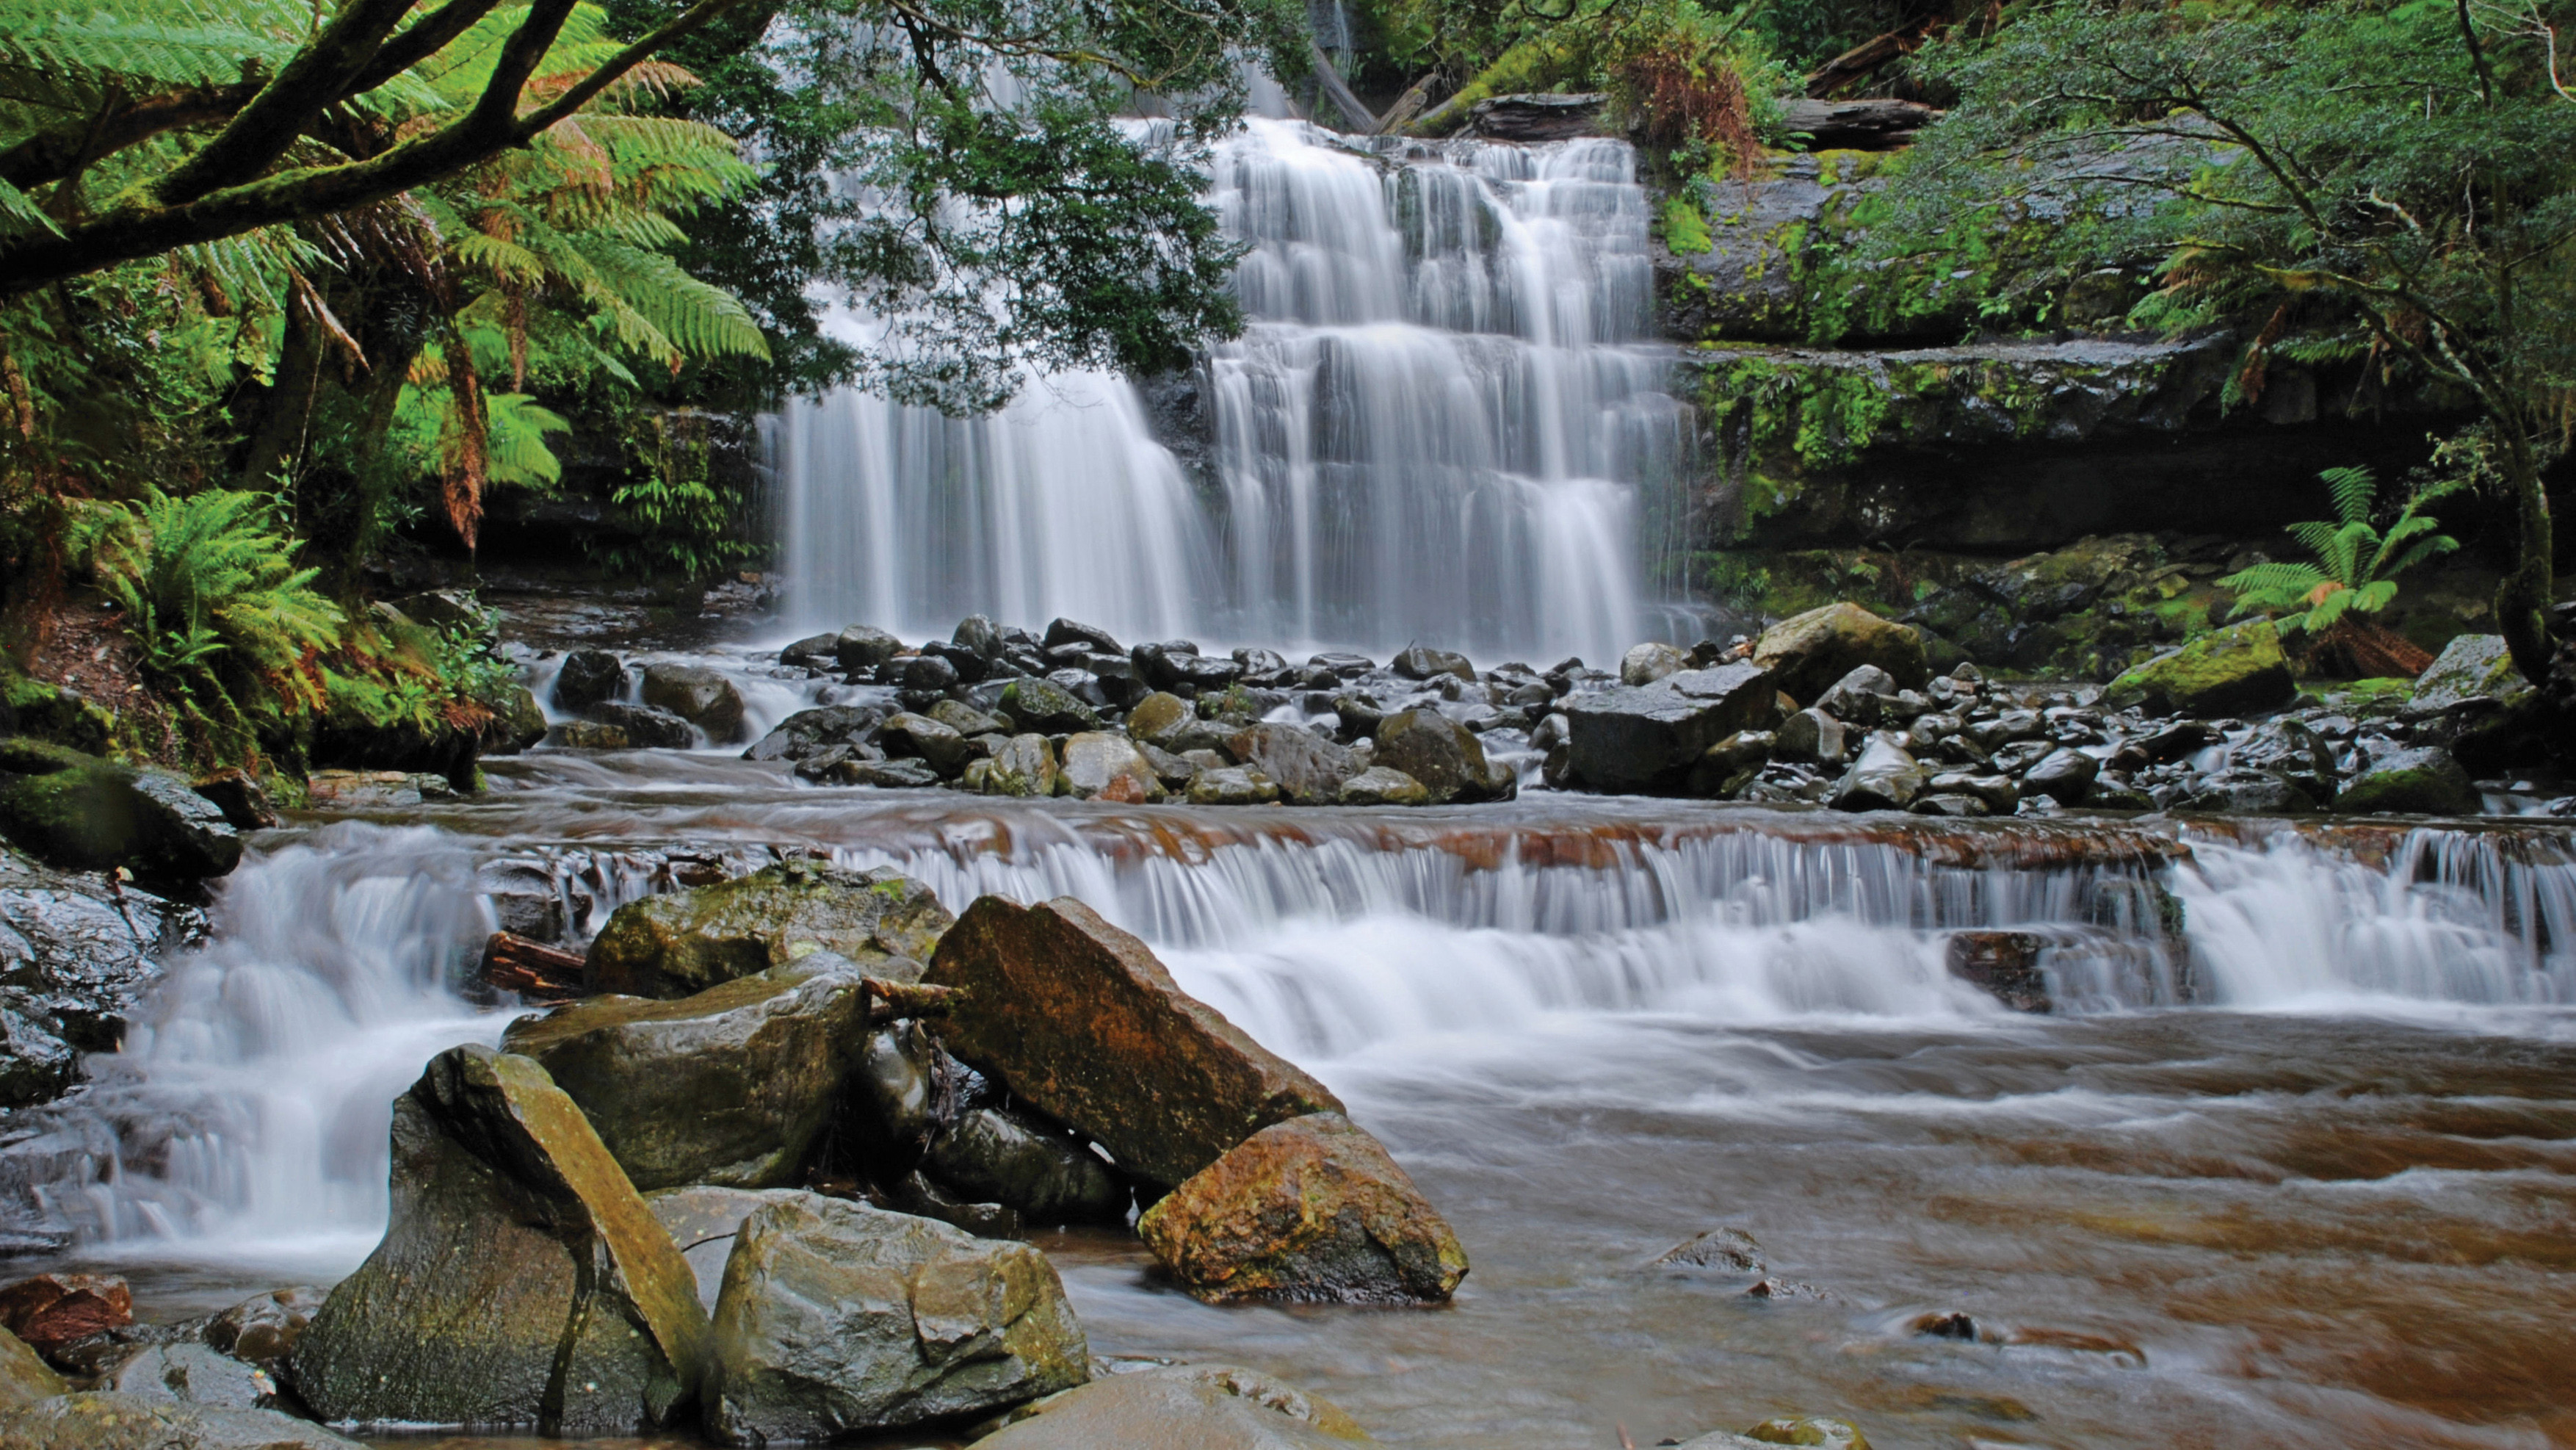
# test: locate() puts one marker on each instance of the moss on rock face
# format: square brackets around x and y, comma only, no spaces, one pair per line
[681,944]
[2424,781]
[81,813]
[2231,671]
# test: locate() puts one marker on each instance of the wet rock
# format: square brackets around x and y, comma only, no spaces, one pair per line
[1861,697]
[979,636]
[1808,653]
[891,774]
[698,695]
[2005,964]
[1048,708]
[1810,735]
[2246,792]
[264,1328]
[1998,793]
[810,732]
[2423,780]
[244,801]
[1308,768]
[1232,785]
[927,673]
[1023,765]
[1648,663]
[908,734]
[2291,749]
[24,1375]
[517,723]
[730,1087]
[105,1420]
[521,1280]
[1776,1290]
[993,1155]
[1802,1430]
[1175,772]
[1439,753]
[2176,739]
[1181,1407]
[2064,776]
[1951,1324]
[1952,804]
[81,813]
[1158,714]
[688,941]
[1080,1021]
[637,727]
[1884,778]
[1067,631]
[966,720]
[836,1318]
[1648,738]
[193,1374]
[1732,763]
[703,1221]
[2233,671]
[588,677]
[862,649]
[1384,786]
[1730,1249]
[1311,1209]
[1421,662]
[52,1310]
[813,652]
[1102,766]
[2008,727]
[77,954]
[2471,668]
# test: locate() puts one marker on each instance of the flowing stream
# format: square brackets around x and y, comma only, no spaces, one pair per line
[1447,420]
[2299,1177]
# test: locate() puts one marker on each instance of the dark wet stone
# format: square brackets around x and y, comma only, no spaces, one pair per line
[2423,780]
[1422,662]
[2004,963]
[638,727]
[1730,1249]
[588,677]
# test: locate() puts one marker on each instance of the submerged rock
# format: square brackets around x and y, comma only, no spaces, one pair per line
[836,1317]
[1808,653]
[1311,1209]
[1182,1407]
[106,1420]
[688,941]
[1730,1249]
[730,1087]
[2234,671]
[1080,1021]
[521,1282]
[2003,963]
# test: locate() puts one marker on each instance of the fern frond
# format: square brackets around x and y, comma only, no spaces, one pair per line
[2353,490]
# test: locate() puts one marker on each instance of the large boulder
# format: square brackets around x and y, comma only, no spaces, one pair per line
[1182,1407]
[837,1318]
[2470,667]
[2234,671]
[730,1087]
[2423,780]
[522,1282]
[698,695]
[106,1420]
[1311,1209]
[1080,1021]
[1646,738]
[683,943]
[1807,653]
[588,677]
[78,955]
[82,813]
[24,1375]
[1308,768]
[1101,766]
[1444,756]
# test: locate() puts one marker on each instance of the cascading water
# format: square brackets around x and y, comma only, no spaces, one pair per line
[1446,422]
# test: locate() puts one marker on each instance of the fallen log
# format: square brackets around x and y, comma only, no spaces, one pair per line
[893,1001]
[1877,125]
[530,968]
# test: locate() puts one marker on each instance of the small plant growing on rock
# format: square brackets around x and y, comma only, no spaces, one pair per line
[2355,573]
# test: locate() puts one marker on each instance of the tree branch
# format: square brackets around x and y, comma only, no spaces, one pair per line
[311,79]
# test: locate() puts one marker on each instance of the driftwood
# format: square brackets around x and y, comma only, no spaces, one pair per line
[1329,81]
[1859,125]
[1864,59]
[1406,107]
[893,1001]
[531,969]
[1536,117]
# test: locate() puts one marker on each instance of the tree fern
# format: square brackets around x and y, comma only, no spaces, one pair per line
[2356,564]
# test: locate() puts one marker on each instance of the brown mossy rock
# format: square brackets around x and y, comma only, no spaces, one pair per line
[1182,1407]
[730,1087]
[106,1420]
[837,1318]
[1443,755]
[1311,1209]
[522,1282]
[704,1221]
[52,1310]
[1807,653]
[1080,1021]
[683,943]
[24,1376]
[2234,671]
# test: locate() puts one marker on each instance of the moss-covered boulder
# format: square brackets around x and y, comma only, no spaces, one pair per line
[1183,1407]
[838,1318]
[1806,654]
[1444,756]
[1080,1021]
[81,813]
[683,943]
[1311,1209]
[24,1376]
[2471,667]
[2234,671]
[731,1086]
[2421,781]
[106,1420]
[522,1282]
[1047,707]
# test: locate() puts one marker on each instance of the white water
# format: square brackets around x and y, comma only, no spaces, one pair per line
[1446,422]
[246,1117]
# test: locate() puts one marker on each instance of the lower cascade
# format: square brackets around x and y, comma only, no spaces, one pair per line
[1446,419]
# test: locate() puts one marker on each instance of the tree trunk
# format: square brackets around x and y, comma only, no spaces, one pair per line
[289,407]
[2522,599]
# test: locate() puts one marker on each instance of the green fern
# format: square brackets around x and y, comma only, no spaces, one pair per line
[2356,565]
[209,589]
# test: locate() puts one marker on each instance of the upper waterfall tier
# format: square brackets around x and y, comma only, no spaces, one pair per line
[1444,422]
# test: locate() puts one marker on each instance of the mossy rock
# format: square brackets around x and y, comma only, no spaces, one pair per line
[682,944]
[2471,667]
[2422,781]
[2233,671]
[81,813]
[50,712]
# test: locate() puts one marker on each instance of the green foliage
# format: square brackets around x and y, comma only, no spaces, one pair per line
[2356,564]
[210,591]
[687,525]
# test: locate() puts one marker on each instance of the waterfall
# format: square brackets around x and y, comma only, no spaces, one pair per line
[1447,420]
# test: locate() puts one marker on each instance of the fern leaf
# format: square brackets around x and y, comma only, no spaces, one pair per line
[2353,490]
